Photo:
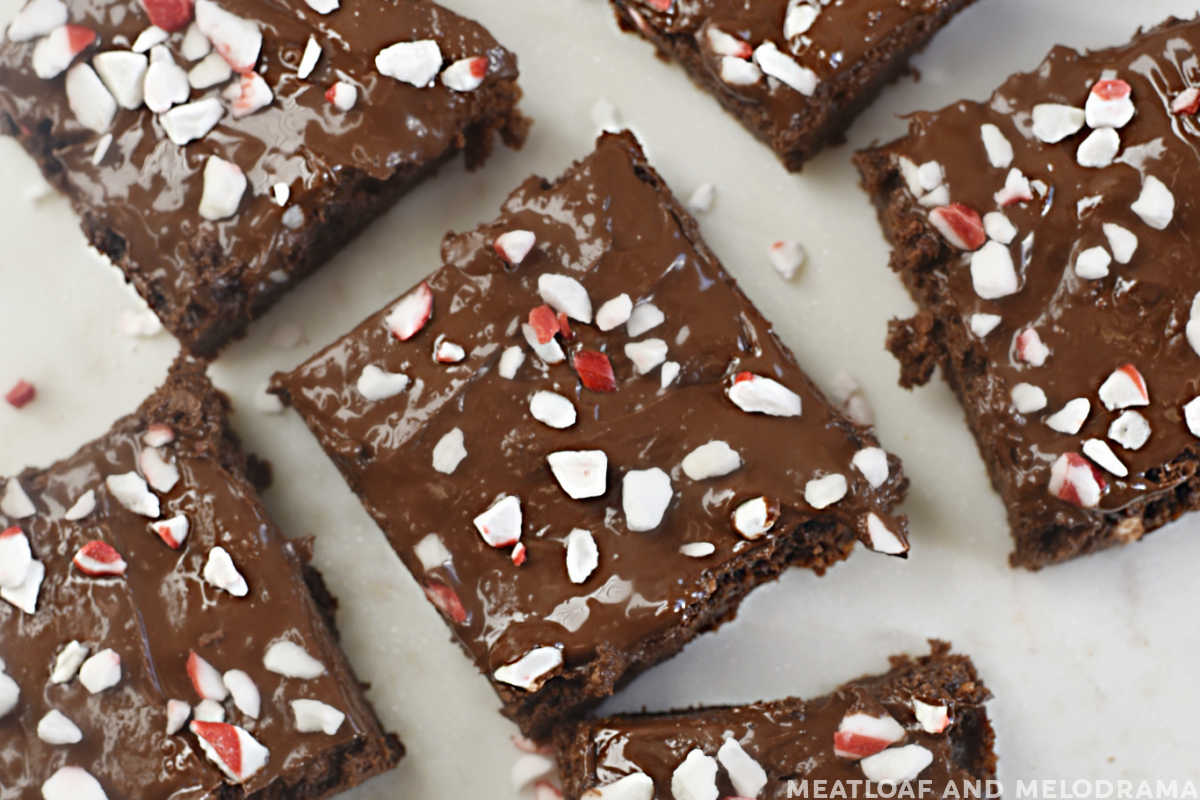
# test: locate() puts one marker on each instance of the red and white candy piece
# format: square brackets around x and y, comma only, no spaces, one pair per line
[21,394]
[285,657]
[124,73]
[101,671]
[754,517]
[447,352]
[238,754]
[882,539]
[313,716]
[219,571]
[88,99]
[158,434]
[897,765]
[932,718]
[1124,388]
[54,52]
[549,351]
[172,531]
[1122,241]
[55,728]
[993,274]
[466,74]
[178,713]
[1155,204]
[552,409]
[246,697]
[1073,479]
[446,600]
[519,554]
[580,473]
[860,734]
[645,317]
[747,775]
[1027,398]
[582,555]
[15,556]
[999,148]
[37,18]
[249,93]
[24,595]
[772,61]
[343,95]
[412,62]
[1070,418]
[787,256]
[872,462]
[67,662]
[205,678]
[1017,189]
[635,786]
[500,524]
[646,354]
[960,225]
[1186,102]
[531,670]
[564,293]
[212,70]
[130,490]
[10,693]
[724,44]
[695,778]
[308,60]
[826,490]
[411,313]
[99,559]
[72,783]
[1130,430]
[711,460]
[1099,452]
[1092,263]
[161,475]
[224,185]
[645,495]
[449,451]
[758,394]
[1030,348]
[165,84]
[377,384]
[800,16]
[1053,122]
[514,246]
[1109,104]
[239,41]
[170,15]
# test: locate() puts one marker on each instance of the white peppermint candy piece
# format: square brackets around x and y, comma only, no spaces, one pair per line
[85,505]
[1027,398]
[883,539]
[697,549]
[897,764]
[205,678]
[635,786]
[148,39]
[208,711]
[289,659]
[992,271]
[552,409]
[1109,105]
[220,571]
[165,84]
[784,69]
[313,716]
[1192,331]
[754,517]
[161,476]
[872,462]
[645,495]
[343,95]
[15,503]
[88,99]
[378,384]
[931,175]
[24,595]
[725,44]
[614,312]
[1155,205]
[449,451]
[72,783]
[695,778]
[323,6]
[1124,388]
[644,317]
[550,352]
[68,661]
[1070,418]
[15,556]
[580,473]
[510,361]
[239,41]
[123,73]
[1030,348]
[932,719]
[411,313]
[131,491]
[1098,149]
[10,693]
[564,293]
[1191,416]
[178,713]
[1092,264]
[530,670]
[1099,451]
[938,197]
[999,149]
[1121,241]
[238,754]
[37,18]
[249,93]
[308,61]
[447,352]
[224,184]
[191,121]
[466,74]
[1016,189]
[787,256]
[1053,122]
[431,551]
[500,524]
[646,354]
[582,555]
[747,775]
[514,246]
[243,691]
[54,52]
[999,228]
[668,373]
[758,394]
[739,72]
[101,671]
[56,728]
[172,531]
[825,491]
[1130,430]
[195,44]
[280,192]
[211,70]
[701,200]
[416,62]
[800,16]
[983,324]
[1073,479]
[711,460]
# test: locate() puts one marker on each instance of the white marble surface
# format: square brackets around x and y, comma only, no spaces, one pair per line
[1092,663]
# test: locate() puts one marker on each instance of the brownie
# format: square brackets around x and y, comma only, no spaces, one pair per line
[156,588]
[795,73]
[1044,236]
[305,154]
[924,720]
[585,442]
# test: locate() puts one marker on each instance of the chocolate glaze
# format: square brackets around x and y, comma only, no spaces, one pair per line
[610,223]
[140,204]
[792,739]
[160,610]
[1135,315]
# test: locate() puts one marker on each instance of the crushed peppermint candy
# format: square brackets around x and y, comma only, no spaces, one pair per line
[931,718]
[1100,453]
[54,52]
[238,754]
[1092,263]
[993,273]
[747,775]
[89,100]
[564,293]
[645,317]
[1109,104]
[882,539]
[1027,398]
[500,524]
[753,518]
[960,225]
[695,778]
[1155,204]
[466,74]
[98,559]
[245,694]
[224,185]
[635,786]
[14,502]
[101,671]
[239,41]
[514,246]
[1124,388]
[787,256]
[531,670]
[1073,479]
[15,557]
[447,352]
[872,462]
[552,409]
[313,716]
[248,94]
[1122,241]
[72,783]
[219,571]
[166,83]
[191,121]
[1099,149]
[21,394]
[37,18]
[1030,348]
[772,61]
[25,594]
[130,490]
[343,95]
[1053,122]
[376,384]
[702,198]
[758,394]
[614,312]
[416,62]
[582,555]
[646,354]
[697,549]
[999,149]
[998,227]
[825,491]
[510,361]
[1070,418]
[897,765]
[308,60]
[410,314]
[205,678]
[289,659]
[178,713]
[594,370]
[212,70]
[711,460]
[449,451]
[860,734]
[1130,430]
[10,693]
[161,475]
[68,661]
[581,473]
[55,728]
[123,73]
[645,495]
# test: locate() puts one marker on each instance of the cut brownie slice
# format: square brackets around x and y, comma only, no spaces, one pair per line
[219,163]
[584,441]
[146,587]
[795,72]
[1044,236]
[924,720]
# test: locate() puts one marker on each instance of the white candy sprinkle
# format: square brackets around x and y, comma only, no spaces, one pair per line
[550,352]
[787,256]
[872,462]
[243,691]
[37,18]
[998,227]
[1092,264]
[896,764]
[24,595]
[123,73]
[1130,430]
[224,184]
[323,6]
[56,729]
[1070,418]
[644,317]
[983,324]
[645,495]
[432,552]
[1099,148]
[308,61]
[289,659]
[67,662]
[195,44]
[668,373]
[449,451]
[564,293]
[500,524]
[747,775]
[209,711]
[757,394]
[635,786]
[783,68]
[711,460]
[72,783]
[580,473]
[237,39]
[739,72]
[466,74]
[1099,451]
[178,713]
[148,39]
[614,312]
[646,354]
[800,16]
[1027,398]
[1121,241]
[101,671]
[131,491]
[191,121]
[166,83]
[220,572]
[15,557]
[510,361]
[527,672]
[752,518]
[209,71]
[825,491]
[933,719]
[695,778]
[412,62]
[1155,205]
[1053,122]
[582,555]
[88,99]
[702,198]
[999,149]
[992,272]
[552,409]
[247,94]
[313,716]
[697,549]
[161,475]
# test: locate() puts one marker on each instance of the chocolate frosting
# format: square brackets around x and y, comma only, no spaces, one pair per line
[146,190]
[610,223]
[161,609]
[1135,315]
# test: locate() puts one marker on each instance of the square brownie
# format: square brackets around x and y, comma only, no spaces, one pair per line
[1044,235]
[220,154]
[145,585]
[924,720]
[585,442]
[795,72]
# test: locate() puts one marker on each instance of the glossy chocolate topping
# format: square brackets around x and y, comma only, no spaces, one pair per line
[157,612]
[793,740]
[147,189]
[610,223]
[1137,314]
